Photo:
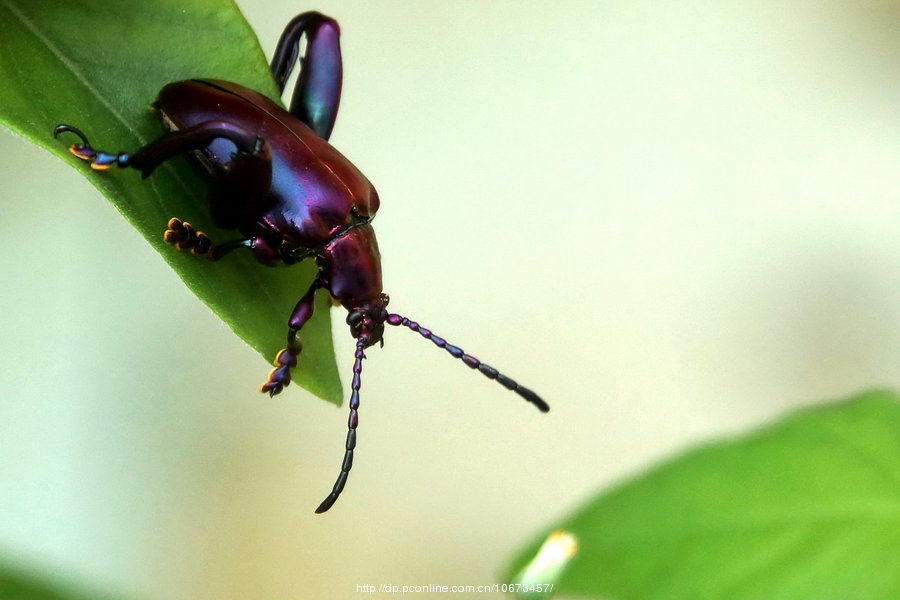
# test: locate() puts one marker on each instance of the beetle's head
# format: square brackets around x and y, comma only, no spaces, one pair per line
[366,319]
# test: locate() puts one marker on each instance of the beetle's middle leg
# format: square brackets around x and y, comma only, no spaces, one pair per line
[183,236]
[280,376]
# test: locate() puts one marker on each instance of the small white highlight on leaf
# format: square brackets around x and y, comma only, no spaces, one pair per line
[538,578]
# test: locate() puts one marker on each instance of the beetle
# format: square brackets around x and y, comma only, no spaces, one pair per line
[292,196]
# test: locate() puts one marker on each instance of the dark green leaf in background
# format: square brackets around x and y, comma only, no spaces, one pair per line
[806,509]
[22,584]
[98,65]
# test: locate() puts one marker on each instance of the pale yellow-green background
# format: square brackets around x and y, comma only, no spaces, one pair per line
[675,220]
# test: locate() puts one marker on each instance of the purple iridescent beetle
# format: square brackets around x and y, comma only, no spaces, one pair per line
[291,195]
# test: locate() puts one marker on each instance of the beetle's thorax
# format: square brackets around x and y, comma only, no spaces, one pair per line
[350,267]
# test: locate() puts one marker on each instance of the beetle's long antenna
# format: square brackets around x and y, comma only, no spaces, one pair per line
[486,370]
[351,429]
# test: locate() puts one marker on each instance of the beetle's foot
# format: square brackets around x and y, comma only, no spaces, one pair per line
[279,377]
[99,159]
[183,236]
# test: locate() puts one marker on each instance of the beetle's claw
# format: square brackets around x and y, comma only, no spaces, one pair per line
[272,388]
[100,160]
[279,377]
[61,128]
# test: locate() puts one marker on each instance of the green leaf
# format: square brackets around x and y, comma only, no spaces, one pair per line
[98,65]
[19,584]
[808,508]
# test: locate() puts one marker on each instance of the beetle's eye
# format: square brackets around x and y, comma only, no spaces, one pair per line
[355,318]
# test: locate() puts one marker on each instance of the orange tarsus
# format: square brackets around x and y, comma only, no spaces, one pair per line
[74,150]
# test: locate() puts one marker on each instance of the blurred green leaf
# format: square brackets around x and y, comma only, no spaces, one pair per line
[538,578]
[808,508]
[98,65]
[19,584]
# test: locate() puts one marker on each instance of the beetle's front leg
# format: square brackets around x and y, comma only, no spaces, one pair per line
[280,376]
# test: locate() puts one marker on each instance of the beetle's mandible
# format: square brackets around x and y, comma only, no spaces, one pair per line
[275,178]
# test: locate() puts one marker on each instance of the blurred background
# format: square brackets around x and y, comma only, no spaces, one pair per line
[674,220]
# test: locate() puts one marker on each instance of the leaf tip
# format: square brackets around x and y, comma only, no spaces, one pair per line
[538,578]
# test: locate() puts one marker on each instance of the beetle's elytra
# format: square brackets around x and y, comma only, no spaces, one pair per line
[275,178]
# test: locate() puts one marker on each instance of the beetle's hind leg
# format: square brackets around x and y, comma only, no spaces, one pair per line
[148,158]
[246,179]
[318,91]
[99,159]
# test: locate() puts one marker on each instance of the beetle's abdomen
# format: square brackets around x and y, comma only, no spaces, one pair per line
[315,190]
